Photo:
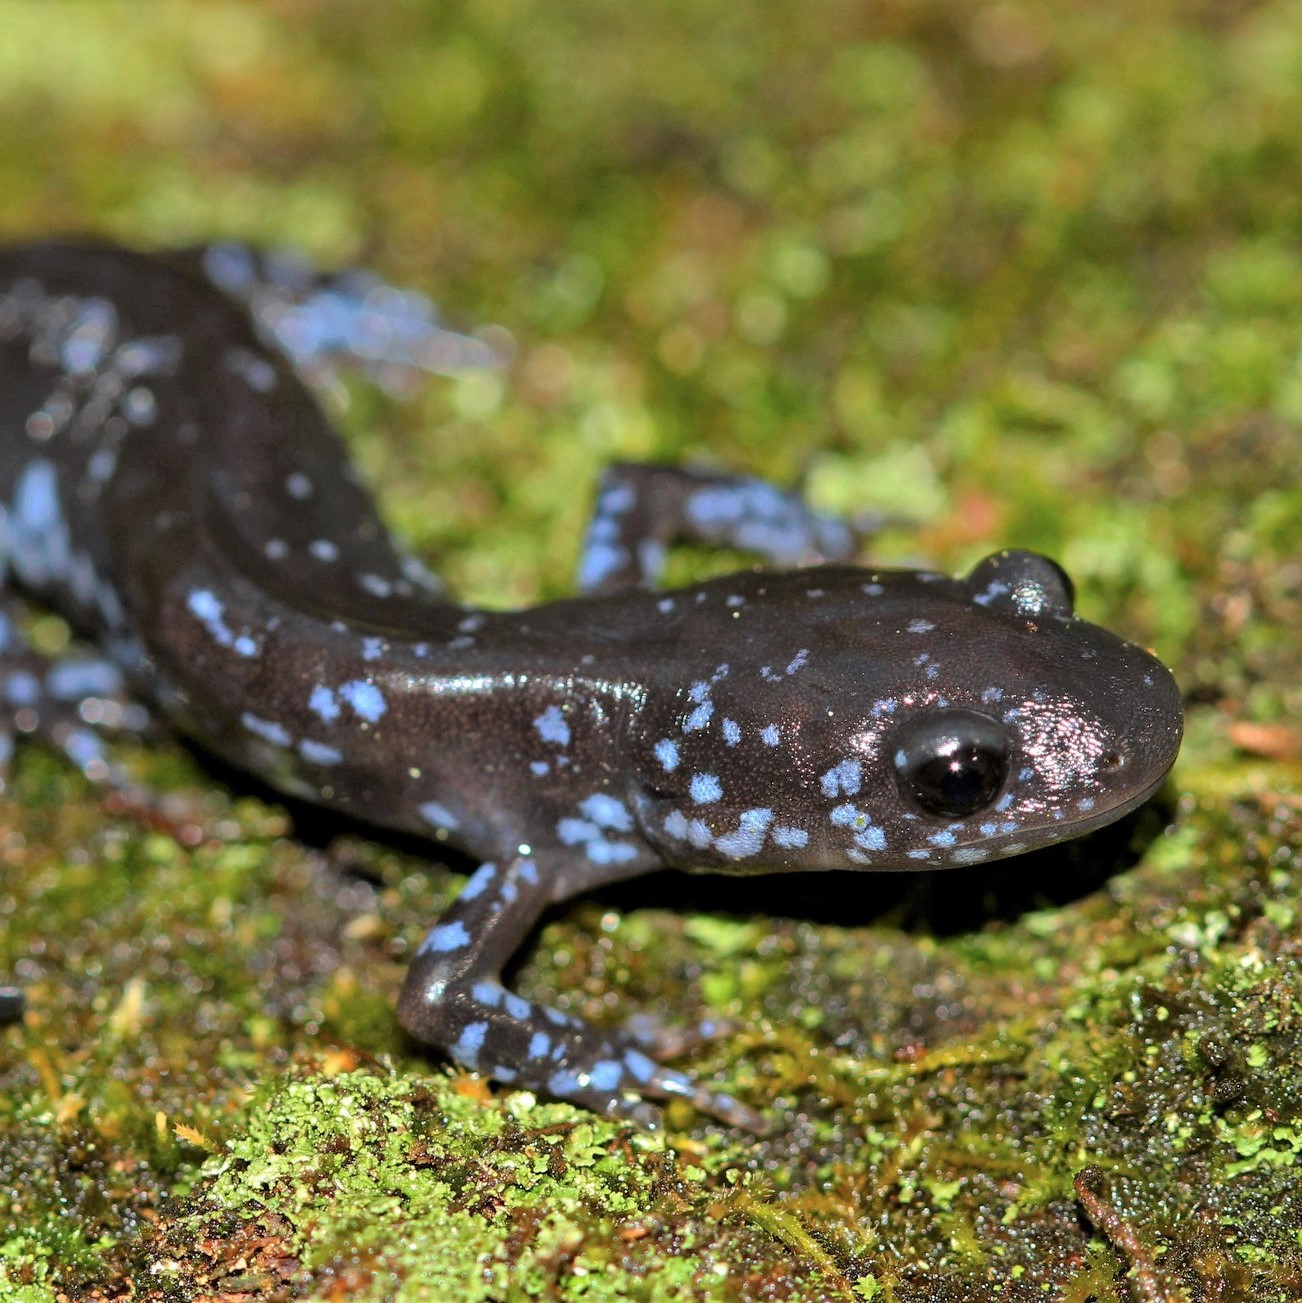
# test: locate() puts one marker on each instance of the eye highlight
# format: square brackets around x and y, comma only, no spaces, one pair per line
[951,763]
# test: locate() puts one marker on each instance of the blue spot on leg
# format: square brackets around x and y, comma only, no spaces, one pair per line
[445,938]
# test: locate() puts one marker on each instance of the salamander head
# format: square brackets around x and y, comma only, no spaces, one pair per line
[897,720]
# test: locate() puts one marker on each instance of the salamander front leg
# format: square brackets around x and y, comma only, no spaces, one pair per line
[453,998]
[643,509]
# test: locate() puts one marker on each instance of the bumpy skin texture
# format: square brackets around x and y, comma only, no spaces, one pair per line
[167,482]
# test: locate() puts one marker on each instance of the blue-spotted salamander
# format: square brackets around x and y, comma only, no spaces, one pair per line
[169,484]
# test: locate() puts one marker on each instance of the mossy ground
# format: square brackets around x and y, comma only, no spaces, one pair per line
[1027,273]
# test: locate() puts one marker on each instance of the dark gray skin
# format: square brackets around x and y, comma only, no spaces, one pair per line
[168,483]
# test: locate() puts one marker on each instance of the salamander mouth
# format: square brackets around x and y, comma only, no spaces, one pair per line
[1036,836]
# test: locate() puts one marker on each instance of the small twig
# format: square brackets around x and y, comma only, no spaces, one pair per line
[1152,1284]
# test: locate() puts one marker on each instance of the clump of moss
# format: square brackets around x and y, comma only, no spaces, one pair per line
[403,1191]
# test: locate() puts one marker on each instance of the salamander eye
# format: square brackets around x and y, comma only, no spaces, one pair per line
[951,763]
[1022,582]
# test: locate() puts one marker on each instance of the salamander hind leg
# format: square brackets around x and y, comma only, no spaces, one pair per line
[352,317]
[643,509]
[453,998]
[69,703]
[64,703]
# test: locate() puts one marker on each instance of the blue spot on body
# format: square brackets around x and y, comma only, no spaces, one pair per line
[600,851]
[606,1074]
[210,611]
[844,777]
[849,816]
[563,1083]
[230,267]
[640,1068]
[600,559]
[479,882]
[705,789]
[446,937]
[365,698]
[770,735]
[992,592]
[616,500]
[36,498]
[552,727]
[22,688]
[318,753]
[586,833]
[748,839]
[699,718]
[470,1042]
[872,839]
[675,824]
[323,703]
[268,730]
[572,832]
[208,608]
[437,815]
[607,812]
[666,752]
[38,536]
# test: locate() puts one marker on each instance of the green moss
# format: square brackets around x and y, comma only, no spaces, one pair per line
[417,1191]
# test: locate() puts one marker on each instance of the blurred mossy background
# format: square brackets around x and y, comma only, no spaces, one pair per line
[1022,272]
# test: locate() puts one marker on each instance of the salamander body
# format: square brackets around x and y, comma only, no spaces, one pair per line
[169,483]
